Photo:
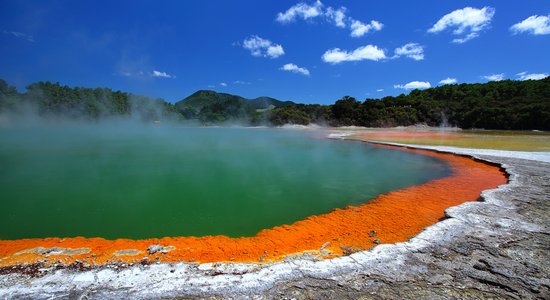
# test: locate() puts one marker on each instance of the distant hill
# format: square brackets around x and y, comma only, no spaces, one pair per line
[203,98]
[206,98]
[268,103]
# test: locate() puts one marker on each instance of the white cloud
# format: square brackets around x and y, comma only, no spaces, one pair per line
[241,82]
[370,52]
[531,76]
[20,35]
[263,47]
[468,22]
[160,74]
[536,25]
[223,84]
[466,38]
[358,28]
[414,85]
[448,80]
[300,10]
[295,69]
[494,77]
[380,90]
[133,74]
[337,16]
[275,51]
[411,50]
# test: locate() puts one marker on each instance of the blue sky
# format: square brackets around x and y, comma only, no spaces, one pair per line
[308,52]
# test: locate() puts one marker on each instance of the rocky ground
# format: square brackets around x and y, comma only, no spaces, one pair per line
[495,248]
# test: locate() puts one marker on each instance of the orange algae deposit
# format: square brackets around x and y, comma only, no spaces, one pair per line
[389,218]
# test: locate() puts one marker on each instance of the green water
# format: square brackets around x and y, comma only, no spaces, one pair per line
[142,181]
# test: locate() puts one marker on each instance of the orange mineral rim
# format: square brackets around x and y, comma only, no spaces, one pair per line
[389,218]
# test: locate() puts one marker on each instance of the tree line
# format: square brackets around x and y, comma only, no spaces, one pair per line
[508,104]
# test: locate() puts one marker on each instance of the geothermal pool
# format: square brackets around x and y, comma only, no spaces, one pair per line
[142,181]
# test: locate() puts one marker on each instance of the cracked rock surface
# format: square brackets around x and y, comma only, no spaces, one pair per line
[497,248]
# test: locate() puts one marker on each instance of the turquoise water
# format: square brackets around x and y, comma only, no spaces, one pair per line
[141,181]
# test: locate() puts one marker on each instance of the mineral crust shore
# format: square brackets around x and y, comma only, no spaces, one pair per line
[495,248]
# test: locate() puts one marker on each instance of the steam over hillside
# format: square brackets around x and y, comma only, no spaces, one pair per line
[53,101]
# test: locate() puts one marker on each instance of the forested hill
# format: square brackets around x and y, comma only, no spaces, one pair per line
[507,104]
[203,98]
[212,107]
